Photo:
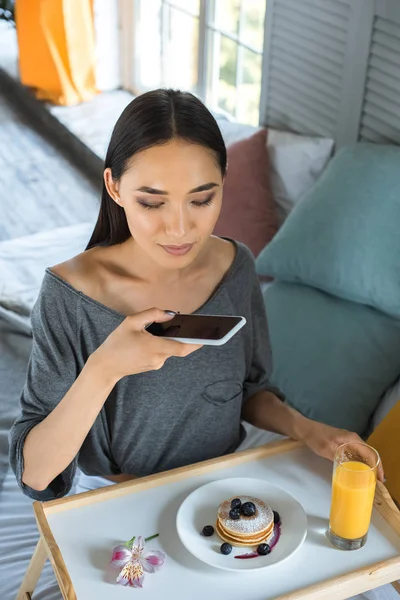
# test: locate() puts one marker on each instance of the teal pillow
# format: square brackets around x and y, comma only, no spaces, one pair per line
[344,235]
[332,359]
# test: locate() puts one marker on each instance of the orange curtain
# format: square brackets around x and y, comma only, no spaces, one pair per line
[57,49]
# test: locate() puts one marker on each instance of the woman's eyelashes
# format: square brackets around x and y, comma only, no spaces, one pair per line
[205,202]
[150,206]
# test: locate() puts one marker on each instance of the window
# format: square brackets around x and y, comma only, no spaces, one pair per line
[212,48]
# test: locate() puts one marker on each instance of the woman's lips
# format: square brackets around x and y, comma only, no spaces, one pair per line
[178,250]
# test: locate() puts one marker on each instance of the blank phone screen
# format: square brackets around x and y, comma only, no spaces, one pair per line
[203,327]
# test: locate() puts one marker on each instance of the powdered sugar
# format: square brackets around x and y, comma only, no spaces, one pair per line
[261,520]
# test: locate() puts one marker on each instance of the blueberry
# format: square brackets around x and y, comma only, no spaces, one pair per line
[226,548]
[248,509]
[208,530]
[277,517]
[263,549]
[234,514]
[236,503]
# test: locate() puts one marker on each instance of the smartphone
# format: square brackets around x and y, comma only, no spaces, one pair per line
[209,330]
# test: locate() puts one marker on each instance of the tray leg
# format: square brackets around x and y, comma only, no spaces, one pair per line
[396,585]
[33,572]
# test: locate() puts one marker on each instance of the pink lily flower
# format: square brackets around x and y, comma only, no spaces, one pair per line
[135,562]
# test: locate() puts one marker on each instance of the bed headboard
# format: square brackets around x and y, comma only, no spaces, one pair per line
[333,69]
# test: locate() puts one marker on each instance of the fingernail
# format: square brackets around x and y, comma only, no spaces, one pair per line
[170,312]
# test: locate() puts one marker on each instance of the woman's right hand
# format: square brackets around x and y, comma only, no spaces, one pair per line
[130,349]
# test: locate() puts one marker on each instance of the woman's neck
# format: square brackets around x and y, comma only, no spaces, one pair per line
[142,266]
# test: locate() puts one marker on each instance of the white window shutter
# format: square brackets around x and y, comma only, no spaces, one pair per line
[315,66]
[380,118]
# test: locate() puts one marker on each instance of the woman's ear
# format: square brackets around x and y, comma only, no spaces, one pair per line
[112,186]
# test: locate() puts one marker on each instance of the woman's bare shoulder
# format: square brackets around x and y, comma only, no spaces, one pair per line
[80,271]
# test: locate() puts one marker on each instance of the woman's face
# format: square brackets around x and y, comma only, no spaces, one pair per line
[172,197]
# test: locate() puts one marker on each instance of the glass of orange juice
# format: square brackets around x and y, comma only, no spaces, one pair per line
[353,488]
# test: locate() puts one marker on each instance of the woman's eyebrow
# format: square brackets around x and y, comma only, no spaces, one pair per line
[201,188]
[150,190]
[204,188]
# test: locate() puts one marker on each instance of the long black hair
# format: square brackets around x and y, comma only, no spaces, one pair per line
[152,118]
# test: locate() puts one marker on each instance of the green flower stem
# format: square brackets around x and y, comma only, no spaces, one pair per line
[130,542]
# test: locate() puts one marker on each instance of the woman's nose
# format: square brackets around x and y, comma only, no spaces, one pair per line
[177,224]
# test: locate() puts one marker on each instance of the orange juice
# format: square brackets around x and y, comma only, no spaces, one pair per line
[353,490]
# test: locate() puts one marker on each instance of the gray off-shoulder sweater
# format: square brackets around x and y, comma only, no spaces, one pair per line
[188,411]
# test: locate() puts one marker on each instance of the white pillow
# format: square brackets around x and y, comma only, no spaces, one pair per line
[234,132]
[296,163]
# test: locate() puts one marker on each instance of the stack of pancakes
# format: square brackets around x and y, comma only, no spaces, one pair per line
[246,531]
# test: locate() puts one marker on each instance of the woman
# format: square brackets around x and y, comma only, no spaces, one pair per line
[101,390]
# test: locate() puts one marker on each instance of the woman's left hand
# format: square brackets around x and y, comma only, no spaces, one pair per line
[324,440]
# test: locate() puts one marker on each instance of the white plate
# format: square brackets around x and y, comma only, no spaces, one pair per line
[200,509]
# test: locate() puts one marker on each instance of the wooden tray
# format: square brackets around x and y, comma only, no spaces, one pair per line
[78,533]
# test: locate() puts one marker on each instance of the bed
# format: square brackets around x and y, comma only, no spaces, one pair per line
[354,84]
